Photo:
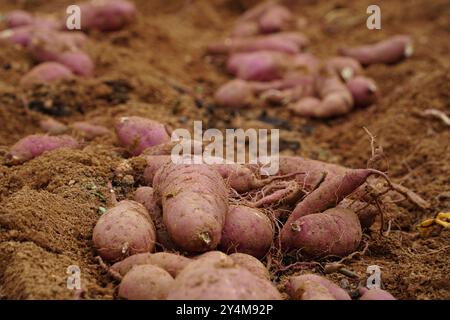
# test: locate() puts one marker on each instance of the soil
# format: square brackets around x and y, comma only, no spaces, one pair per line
[48,206]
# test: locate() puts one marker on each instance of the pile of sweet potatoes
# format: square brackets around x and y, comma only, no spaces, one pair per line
[266,54]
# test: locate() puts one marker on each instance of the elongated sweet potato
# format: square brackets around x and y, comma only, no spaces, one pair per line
[52,126]
[137,133]
[364,91]
[235,94]
[46,73]
[247,230]
[89,130]
[145,282]
[210,279]
[124,230]
[391,50]
[110,15]
[194,203]
[33,146]
[172,263]
[314,287]
[366,212]
[335,232]
[18,18]
[275,19]
[344,67]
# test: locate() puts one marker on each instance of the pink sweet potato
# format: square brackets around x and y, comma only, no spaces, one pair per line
[375,294]
[334,232]
[252,264]
[275,19]
[46,73]
[247,230]
[194,200]
[145,282]
[33,146]
[88,130]
[364,91]
[18,18]
[154,162]
[245,29]
[344,67]
[53,127]
[391,50]
[137,133]
[235,94]
[210,279]
[303,287]
[170,262]
[106,15]
[20,36]
[366,212]
[124,230]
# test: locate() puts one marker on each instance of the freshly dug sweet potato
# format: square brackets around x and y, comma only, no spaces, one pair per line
[154,162]
[235,94]
[245,29]
[53,127]
[33,146]
[20,36]
[336,232]
[247,230]
[275,19]
[391,50]
[375,294]
[344,67]
[88,130]
[46,73]
[106,15]
[18,18]
[194,200]
[364,91]
[366,212]
[170,262]
[252,264]
[314,287]
[137,133]
[145,282]
[210,279]
[124,230]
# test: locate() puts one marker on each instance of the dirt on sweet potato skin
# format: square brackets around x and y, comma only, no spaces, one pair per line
[49,206]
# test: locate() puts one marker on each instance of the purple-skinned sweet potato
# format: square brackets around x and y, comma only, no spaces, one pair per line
[335,232]
[366,212]
[375,294]
[252,264]
[124,230]
[89,130]
[314,287]
[18,18]
[33,146]
[235,94]
[46,73]
[275,19]
[52,126]
[364,91]
[247,230]
[145,282]
[106,15]
[137,133]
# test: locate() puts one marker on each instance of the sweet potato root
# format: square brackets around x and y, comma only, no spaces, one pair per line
[391,50]
[194,202]
[33,146]
[334,232]
[124,230]
[247,230]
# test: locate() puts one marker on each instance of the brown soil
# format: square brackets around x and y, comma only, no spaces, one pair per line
[48,206]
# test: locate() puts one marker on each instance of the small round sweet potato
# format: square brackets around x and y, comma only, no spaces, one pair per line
[209,279]
[124,230]
[137,133]
[235,94]
[45,73]
[111,15]
[252,264]
[33,146]
[247,230]
[145,282]
[364,91]
[300,287]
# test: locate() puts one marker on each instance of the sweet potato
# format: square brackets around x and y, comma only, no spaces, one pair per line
[145,282]
[194,202]
[20,36]
[275,19]
[46,73]
[111,15]
[391,50]
[336,100]
[289,42]
[245,29]
[137,133]
[366,212]
[364,91]
[336,232]
[247,230]
[235,94]
[88,130]
[209,279]
[344,67]
[77,61]
[314,287]
[154,162]
[18,18]
[252,264]
[375,294]
[53,127]
[33,146]
[124,230]
[170,262]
